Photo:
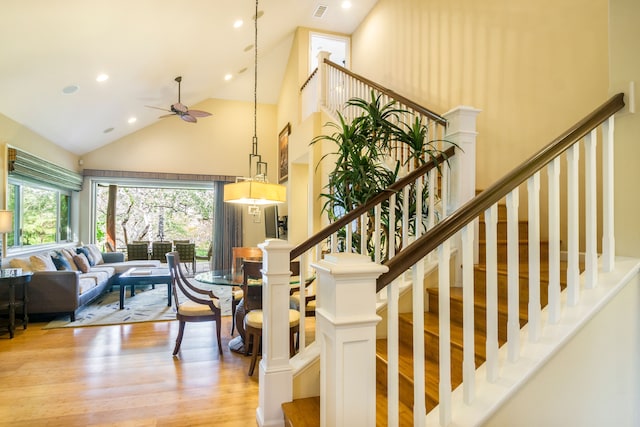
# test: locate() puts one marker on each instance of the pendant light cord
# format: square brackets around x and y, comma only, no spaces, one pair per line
[261,167]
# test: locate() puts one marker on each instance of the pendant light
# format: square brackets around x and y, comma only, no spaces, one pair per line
[256,189]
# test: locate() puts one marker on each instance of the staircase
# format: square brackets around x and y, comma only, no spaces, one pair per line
[305,412]
[431,322]
[494,324]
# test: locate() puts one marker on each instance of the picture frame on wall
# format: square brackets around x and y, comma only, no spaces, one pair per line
[283,153]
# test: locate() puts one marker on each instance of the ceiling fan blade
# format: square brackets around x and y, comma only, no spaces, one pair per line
[157,108]
[179,107]
[167,115]
[198,113]
[188,118]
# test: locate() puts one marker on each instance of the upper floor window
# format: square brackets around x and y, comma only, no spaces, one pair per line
[41,214]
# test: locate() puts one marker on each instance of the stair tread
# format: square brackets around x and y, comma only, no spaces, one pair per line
[405,364]
[456,294]
[302,412]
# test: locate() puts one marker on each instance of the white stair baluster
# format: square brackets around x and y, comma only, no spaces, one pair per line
[573,223]
[513,277]
[591,224]
[533,190]
[608,236]
[468,329]
[553,170]
[491,241]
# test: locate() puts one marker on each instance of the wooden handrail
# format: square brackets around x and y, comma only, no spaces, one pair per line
[378,198]
[420,109]
[469,211]
[306,82]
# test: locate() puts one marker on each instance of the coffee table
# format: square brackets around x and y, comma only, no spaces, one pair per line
[144,276]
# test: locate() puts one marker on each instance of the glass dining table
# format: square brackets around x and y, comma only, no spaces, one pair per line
[227,278]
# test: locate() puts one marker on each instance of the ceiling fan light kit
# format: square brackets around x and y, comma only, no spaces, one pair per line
[255,190]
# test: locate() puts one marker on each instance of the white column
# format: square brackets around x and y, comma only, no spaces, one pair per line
[346,321]
[275,373]
[322,79]
[461,130]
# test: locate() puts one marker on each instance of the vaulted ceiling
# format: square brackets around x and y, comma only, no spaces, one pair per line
[51,53]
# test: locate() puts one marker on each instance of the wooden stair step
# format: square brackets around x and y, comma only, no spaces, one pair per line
[405,368]
[431,343]
[302,412]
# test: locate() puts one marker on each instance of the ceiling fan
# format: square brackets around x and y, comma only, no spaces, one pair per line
[181,110]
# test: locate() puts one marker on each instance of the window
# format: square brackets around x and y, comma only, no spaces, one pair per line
[150,211]
[42,214]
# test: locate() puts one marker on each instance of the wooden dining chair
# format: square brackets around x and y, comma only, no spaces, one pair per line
[238,255]
[192,304]
[253,318]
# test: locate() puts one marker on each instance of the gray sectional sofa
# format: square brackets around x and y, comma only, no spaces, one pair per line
[64,289]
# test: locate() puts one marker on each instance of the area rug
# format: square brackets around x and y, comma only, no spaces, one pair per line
[147,305]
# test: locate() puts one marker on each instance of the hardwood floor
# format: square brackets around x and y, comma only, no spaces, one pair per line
[124,375]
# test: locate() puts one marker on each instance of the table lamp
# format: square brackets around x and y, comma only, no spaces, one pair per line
[6,225]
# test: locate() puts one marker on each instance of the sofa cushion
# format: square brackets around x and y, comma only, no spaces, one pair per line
[84,251]
[86,284]
[60,261]
[107,269]
[42,263]
[95,253]
[22,263]
[82,262]
[68,254]
[99,275]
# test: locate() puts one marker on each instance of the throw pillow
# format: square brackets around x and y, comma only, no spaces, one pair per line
[68,254]
[87,254]
[22,263]
[96,254]
[42,263]
[60,261]
[82,262]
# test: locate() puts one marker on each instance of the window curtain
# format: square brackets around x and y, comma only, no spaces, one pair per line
[34,169]
[227,229]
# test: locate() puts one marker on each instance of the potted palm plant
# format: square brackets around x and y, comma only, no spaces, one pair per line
[364,166]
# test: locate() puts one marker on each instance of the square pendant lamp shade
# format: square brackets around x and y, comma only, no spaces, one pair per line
[251,192]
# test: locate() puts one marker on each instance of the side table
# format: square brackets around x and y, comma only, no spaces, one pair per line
[13,279]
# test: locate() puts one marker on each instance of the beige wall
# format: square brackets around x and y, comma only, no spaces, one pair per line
[624,33]
[533,68]
[217,145]
[14,134]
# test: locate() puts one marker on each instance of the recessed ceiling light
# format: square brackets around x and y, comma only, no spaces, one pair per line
[132,120]
[346,4]
[102,77]
[70,89]
[228,77]
[238,23]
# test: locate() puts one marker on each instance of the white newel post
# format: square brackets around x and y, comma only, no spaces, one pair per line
[275,373]
[461,130]
[322,79]
[346,321]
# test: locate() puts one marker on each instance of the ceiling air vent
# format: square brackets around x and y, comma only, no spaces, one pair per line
[320,11]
